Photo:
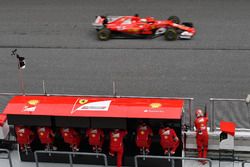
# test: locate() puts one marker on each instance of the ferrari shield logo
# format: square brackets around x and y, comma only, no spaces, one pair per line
[85,105]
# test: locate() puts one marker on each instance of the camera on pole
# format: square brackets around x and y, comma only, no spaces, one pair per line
[21,64]
[21,60]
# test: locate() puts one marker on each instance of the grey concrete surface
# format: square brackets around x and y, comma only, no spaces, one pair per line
[221,24]
[143,72]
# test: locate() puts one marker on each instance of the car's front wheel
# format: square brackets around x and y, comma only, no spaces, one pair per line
[171,34]
[104,34]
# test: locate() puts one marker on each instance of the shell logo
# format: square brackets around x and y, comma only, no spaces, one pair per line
[93,135]
[83,101]
[155,105]
[41,134]
[33,102]
[142,132]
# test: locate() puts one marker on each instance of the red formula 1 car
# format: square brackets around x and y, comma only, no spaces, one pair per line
[136,27]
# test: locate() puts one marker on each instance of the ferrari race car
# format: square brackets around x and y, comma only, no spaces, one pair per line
[136,27]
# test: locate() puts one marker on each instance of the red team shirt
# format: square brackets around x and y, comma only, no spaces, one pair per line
[24,135]
[45,135]
[143,136]
[70,136]
[95,137]
[169,138]
[116,139]
[201,125]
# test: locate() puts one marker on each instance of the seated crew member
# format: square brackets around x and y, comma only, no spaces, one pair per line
[24,136]
[116,144]
[143,137]
[96,138]
[201,134]
[47,137]
[169,140]
[72,137]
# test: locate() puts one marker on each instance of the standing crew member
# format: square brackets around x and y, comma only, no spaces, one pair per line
[72,137]
[116,144]
[47,137]
[169,140]
[96,138]
[201,134]
[143,137]
[25,136]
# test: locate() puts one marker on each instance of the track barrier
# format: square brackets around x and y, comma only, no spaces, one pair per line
[245,162]
[228,110]
[70,156]
[8,156]
[171,158]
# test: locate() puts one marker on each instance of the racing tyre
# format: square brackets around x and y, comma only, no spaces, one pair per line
[104,34]
[171,34]
[175,19]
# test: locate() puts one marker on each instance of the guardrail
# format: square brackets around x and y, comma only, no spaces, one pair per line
[8,157]
[70,156]
[170,157]
[245,162]
[212,102]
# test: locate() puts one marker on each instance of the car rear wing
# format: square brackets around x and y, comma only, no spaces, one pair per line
[99,21]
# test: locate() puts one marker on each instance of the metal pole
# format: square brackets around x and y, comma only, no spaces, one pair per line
[36,159]
[244,162]
[44,88]
[213,117]
[211,101]
[21,81]
[105,160]
[190,113]
[9,157]
[114,89]
[70,160]
[70,155]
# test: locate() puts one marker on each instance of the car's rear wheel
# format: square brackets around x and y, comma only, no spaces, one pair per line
[175,19]
[171,34]
[104,34]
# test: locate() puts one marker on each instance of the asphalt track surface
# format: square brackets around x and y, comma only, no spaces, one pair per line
[61,47]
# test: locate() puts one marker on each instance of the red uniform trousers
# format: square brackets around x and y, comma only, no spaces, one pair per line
[202,144]
[119,152]
[172,146]
[116,145]
[143,139]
